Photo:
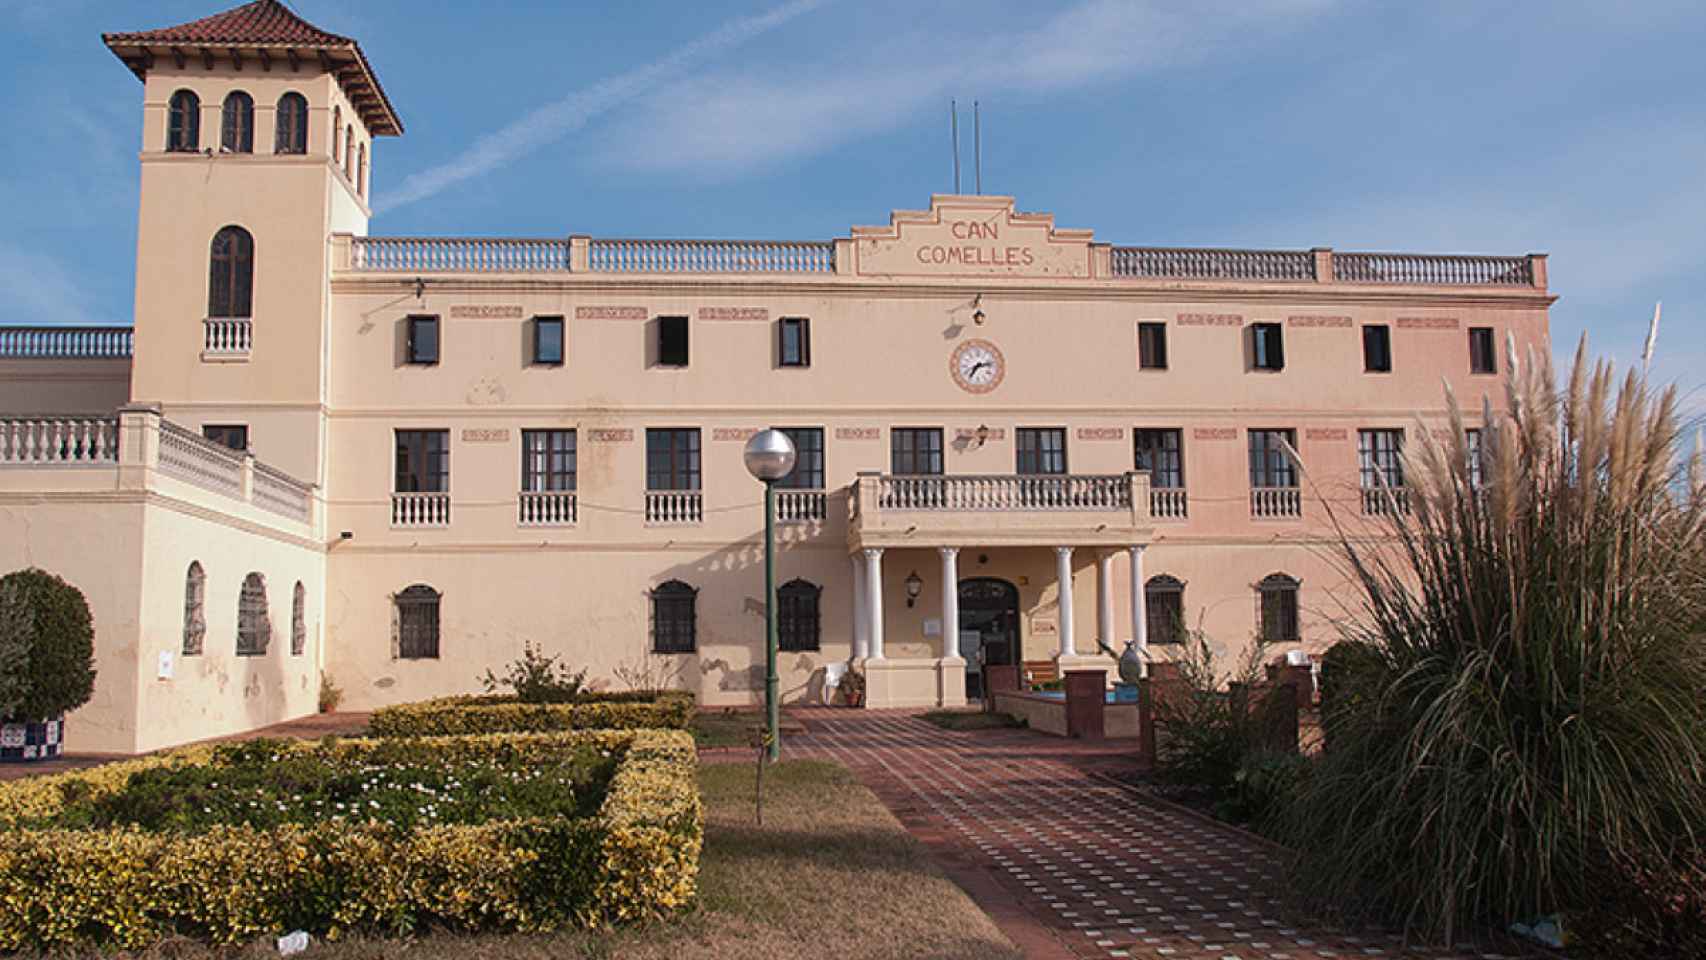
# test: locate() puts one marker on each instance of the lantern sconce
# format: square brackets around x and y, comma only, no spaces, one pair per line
[914,586]
[982,434]
[977,310]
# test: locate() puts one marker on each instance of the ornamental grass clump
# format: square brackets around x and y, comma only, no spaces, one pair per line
[1525,716]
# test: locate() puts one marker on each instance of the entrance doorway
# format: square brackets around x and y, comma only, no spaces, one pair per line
[989,628]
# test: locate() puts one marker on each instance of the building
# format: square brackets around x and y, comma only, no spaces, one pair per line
[1016,440]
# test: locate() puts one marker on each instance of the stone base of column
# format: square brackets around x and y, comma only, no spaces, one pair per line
[898,682]
[951,682]
[1087,661]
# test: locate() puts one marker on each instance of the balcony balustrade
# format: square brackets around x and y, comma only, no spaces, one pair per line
[997,510]
[194,459]
[1168,503]
[1385,501]
[547,508]
[420,509]
[674,508]
[1267,503]
[226,338]
[68,440]
[798,506]
[1005,493]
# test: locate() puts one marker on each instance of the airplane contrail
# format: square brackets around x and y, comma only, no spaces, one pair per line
[552,121]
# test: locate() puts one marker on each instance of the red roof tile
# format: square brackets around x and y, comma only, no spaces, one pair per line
[263,21]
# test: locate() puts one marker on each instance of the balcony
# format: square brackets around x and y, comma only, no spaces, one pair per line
[1079,509]
[674,508]
[226,339]
[1385,501]
[549,508]
[1276,503]
[801,506]
[420,509]
[37,441]
[1168,503]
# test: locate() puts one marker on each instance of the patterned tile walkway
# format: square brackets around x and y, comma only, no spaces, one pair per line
[1106,871]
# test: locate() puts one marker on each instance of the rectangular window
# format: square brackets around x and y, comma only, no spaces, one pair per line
[672,341]
[1377,348]
[423,340]
[547,460]
[672,458]
[1152,346]
[233,435]
[915,451]
[798,624]
[417,623]
[1269,465]
[1477,472]
[795,347]
[1279,609]
[1041,450]
[1162,453]
[1482,358]
[423,461]
[548,341]
[675,627]
[1380,454]
[1267,346]
[1164,610]
[808,473]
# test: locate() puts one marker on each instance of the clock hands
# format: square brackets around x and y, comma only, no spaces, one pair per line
[976,367]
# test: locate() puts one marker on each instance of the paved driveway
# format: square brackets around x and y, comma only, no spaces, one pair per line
[1069,864]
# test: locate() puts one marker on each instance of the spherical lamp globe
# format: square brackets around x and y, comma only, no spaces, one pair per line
[769,455]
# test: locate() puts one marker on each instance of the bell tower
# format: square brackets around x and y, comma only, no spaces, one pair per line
[257,144]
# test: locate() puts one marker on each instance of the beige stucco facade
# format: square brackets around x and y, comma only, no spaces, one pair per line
[320,376]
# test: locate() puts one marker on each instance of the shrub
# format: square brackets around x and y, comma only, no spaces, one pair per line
[1204,731]
[537,678]
[47,647]
[1539,618]
[636,859]
[450,716]
[1352,672]
[1651,906]
[331,695]
[1263,789]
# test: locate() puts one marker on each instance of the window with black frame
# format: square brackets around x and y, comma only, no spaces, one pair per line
[1152,346]
[672,342]
[1267,346]
[183,123]
[915,451]
[1040,450]
[798,625]
[423,461]
[547,460]
[231,274]
[1278,614]
[237,123]
[290,124]
[1377,348]
[232,435]
[1270,467]
[672,458]
[548,341]
[1483,358]
[1161,452]
[1381,456]
[674,618]
[1164,609]
[254,627]
[794,346]
[417,623]
[421,347]
[808,472]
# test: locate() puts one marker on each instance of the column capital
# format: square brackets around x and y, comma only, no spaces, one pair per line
[948,551]
[1138,547]
[872,553]
[1065,553]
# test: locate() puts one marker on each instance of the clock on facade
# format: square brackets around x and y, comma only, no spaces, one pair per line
[977,366]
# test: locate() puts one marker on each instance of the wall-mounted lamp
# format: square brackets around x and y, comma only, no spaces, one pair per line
[914,586]
[977,310]
[420,289]
[982,434]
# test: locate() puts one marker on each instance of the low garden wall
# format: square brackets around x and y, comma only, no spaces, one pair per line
[1048,714]
[454,716]
[66,879]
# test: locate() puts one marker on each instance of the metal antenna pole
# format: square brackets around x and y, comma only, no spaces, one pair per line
[977,143]
[954,110]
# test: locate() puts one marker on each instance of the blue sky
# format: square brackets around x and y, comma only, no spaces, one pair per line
[1575,128]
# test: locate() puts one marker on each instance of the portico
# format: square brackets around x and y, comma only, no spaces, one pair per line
[899,524]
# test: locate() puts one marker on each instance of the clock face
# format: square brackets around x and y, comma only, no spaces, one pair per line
[977,366]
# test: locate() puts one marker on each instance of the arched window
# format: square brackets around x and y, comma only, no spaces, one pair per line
[231,274]
[254,627]
[349,150]
[1164,609]
[183,123]
[797,620]
[298,620]
[1278,594]
[337,130]
[195,606]
[290,124]
[417,623]
[237,129]
[674,627]
[361,170]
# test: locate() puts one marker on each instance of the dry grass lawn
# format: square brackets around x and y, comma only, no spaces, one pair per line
[830,873]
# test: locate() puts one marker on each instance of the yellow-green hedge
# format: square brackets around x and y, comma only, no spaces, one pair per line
[637,859]
[457,716]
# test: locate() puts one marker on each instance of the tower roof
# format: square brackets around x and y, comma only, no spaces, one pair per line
[264,32]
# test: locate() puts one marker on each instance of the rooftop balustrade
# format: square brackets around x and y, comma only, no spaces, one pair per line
[78,343]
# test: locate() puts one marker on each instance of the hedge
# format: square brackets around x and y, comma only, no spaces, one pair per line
[637,859]
[453,716]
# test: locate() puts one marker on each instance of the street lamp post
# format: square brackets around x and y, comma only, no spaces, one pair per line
[769,456]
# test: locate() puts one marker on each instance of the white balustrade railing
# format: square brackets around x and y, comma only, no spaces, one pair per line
[674,507]
[226,337]
[34,441]
[195,459]
[70,342]
[547,508]
[464,254]
[1433,269]
[711,256]
[1179,264]
[1006,493]
[1266,502]
[281,493]
[800,505]
[1385,501]
[1168,503]
[420,509]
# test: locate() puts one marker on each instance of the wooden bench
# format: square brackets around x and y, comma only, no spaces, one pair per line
[1041,671]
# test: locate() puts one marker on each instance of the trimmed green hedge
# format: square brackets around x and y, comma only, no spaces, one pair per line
[454,716]
[637,859]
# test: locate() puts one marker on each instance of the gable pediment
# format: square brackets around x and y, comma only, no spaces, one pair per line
[971,236]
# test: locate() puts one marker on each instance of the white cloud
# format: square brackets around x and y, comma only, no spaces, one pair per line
[38,288]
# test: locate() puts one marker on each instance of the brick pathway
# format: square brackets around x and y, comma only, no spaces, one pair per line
[1069,864]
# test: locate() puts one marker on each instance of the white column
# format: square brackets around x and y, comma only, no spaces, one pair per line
[860,641]
[1105,601]
[1063,578]
[874,603]
[950,602]
[1139,615]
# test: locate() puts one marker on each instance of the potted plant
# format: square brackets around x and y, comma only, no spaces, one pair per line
[853,688]
[47,662]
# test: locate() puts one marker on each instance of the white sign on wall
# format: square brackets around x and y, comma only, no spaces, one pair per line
[932,626]
[166,663]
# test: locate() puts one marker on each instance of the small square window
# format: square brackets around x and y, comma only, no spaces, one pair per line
[548,341]
[233,435]
[1482,357]
[672,341]
[1377,348]
[423,340]
[1152,346]
[795,346]
[1267,347]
